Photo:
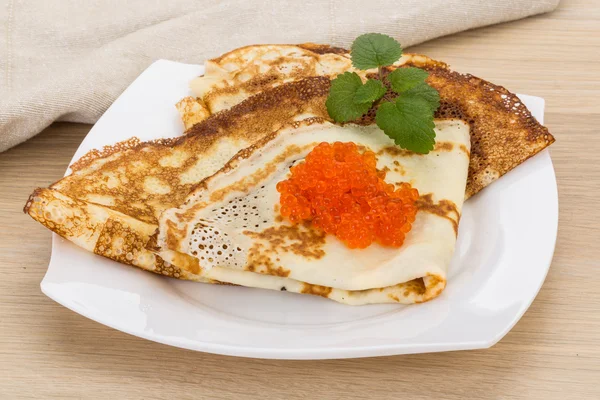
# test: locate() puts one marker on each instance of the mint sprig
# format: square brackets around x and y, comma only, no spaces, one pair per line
[408,119]
[340,103]
[371,91]
[403,79]
[405,121]
[374,50]
[425,92]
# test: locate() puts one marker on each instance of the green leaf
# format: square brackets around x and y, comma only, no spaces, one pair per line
[373,50]
[425,92]
[372,90]
[409,122]
[340,103]
[403,79]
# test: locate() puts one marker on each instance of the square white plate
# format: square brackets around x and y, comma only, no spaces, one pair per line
[505,246]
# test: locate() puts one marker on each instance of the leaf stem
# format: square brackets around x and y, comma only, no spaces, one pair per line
[388,98]
[385,96]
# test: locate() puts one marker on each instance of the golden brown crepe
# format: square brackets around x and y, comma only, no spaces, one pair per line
[120,191]
[503,132]
[230,225]
[111,202]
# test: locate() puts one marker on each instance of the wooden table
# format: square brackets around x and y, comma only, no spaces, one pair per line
[552,353]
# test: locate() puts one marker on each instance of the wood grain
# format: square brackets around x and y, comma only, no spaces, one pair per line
[47,351]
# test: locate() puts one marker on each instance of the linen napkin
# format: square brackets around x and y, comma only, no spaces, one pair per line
[68,60]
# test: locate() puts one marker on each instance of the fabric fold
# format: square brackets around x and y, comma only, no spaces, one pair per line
[61,61]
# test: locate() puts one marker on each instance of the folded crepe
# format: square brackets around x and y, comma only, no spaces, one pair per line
[111,202]
[231,225]
[246,71]
[496,115]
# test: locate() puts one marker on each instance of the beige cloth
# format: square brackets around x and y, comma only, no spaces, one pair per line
[68,60]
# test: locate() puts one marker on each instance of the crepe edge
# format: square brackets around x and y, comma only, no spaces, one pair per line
[101,231]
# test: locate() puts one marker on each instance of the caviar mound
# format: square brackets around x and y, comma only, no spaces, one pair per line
[339,190]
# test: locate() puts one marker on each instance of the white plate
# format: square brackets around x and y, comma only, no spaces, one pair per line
[505,246]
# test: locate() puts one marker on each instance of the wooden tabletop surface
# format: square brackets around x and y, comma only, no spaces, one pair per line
[47,351]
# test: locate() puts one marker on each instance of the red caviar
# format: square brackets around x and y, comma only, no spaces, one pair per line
[341,191]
